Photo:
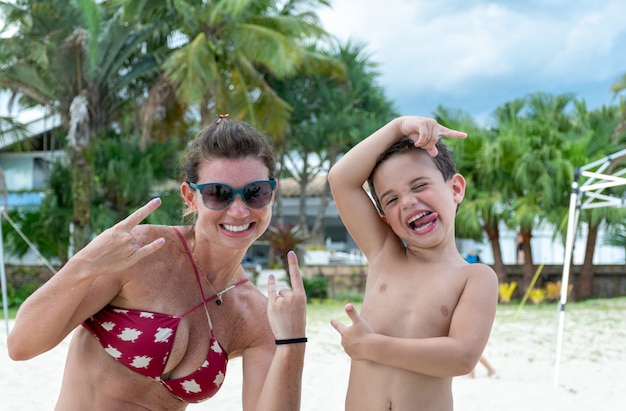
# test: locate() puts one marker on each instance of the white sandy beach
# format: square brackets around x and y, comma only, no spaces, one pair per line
[521,349]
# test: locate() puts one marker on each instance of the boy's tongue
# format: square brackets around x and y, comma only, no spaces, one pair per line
[421,222]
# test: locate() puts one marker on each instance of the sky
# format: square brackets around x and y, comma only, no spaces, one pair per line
[476,55]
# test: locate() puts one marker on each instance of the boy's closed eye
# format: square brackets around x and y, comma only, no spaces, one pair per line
[390,200]
[418,187]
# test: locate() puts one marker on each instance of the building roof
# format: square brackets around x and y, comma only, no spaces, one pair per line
[289,187]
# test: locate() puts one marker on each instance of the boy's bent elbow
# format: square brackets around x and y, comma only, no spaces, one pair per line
[466,364]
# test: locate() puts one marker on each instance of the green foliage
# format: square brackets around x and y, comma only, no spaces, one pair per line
[349,296]
[16,296]
[126,179]
[284,238]
[316,287]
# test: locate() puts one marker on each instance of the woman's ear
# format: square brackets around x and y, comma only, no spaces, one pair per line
[384,218]
[189,196]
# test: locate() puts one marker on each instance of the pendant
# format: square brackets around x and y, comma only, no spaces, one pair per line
[218,300]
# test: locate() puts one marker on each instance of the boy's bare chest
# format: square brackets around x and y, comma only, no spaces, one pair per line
[412,304]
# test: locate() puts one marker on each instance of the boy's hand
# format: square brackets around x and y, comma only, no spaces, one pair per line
[352,336]
[425,132]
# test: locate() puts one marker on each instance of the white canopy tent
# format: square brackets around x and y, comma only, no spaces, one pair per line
[600,174]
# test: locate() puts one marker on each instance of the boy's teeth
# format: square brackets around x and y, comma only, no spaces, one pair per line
[417,217]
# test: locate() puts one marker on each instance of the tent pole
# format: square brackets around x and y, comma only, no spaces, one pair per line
[5,303]
[572,221]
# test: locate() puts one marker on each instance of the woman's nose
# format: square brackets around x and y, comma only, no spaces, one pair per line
[238,207]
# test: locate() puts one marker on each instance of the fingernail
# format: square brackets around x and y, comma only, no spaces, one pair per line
[291,253]
[156,201]
[271,276]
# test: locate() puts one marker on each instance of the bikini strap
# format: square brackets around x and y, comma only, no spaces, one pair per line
[195,270]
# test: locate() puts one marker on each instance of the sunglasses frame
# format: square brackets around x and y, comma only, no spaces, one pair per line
[235,191]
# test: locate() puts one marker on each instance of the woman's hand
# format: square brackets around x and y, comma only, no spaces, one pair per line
[286,309]
[116,248]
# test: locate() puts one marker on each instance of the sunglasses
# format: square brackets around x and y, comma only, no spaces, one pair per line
[218,196]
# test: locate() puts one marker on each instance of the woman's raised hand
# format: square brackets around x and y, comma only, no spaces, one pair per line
[286,309]
[117,248]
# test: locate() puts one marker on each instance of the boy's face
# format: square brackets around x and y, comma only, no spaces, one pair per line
[415,199]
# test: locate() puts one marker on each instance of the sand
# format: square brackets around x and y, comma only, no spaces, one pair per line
[521,349]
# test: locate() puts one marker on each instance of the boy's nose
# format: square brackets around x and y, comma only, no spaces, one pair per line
[408,202]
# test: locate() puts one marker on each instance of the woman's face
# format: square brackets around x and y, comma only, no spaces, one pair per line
[238,225]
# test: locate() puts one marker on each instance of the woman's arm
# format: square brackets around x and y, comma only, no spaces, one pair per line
[87,281]
[282,384]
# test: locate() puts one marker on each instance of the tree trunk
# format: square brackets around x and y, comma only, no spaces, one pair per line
[527,268]
[317,236]
[304,179]
[82,188]
[585,282]
[493,234]
[79,141]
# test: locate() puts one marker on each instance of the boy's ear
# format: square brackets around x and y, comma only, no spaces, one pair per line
[458,187]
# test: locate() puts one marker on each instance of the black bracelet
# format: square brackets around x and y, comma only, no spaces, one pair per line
[292,341]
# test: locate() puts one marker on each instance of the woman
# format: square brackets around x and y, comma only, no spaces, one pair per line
[157,311]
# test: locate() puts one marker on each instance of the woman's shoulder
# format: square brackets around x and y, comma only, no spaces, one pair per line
[150,232]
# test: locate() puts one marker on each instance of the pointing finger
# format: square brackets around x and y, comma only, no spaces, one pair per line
[352,313]
[141,214]
[447,132]
[338,326]
[294,272]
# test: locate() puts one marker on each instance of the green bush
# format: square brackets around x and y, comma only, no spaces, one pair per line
[316,287]
[16,296]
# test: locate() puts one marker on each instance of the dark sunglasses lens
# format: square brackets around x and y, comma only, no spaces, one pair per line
[217,196]
[258,194]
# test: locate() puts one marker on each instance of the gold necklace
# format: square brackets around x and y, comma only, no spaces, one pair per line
[219,295]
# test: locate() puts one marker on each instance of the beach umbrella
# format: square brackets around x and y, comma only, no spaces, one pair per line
[600,174]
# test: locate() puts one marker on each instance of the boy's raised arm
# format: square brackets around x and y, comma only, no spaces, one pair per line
[347,177]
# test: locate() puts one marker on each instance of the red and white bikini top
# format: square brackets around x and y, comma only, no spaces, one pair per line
[143,340]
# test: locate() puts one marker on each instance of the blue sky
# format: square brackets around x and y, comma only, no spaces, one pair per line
[476,55]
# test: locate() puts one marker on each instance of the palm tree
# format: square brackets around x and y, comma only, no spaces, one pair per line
[226,49]
[541,174]
[477,158]
[332,111]
[80,61]
[596,130]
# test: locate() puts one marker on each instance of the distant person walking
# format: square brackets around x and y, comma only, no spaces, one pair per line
[472,256]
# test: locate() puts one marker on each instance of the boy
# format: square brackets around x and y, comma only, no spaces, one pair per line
[427,313]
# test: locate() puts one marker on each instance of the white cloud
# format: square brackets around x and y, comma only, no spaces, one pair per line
[486,49]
